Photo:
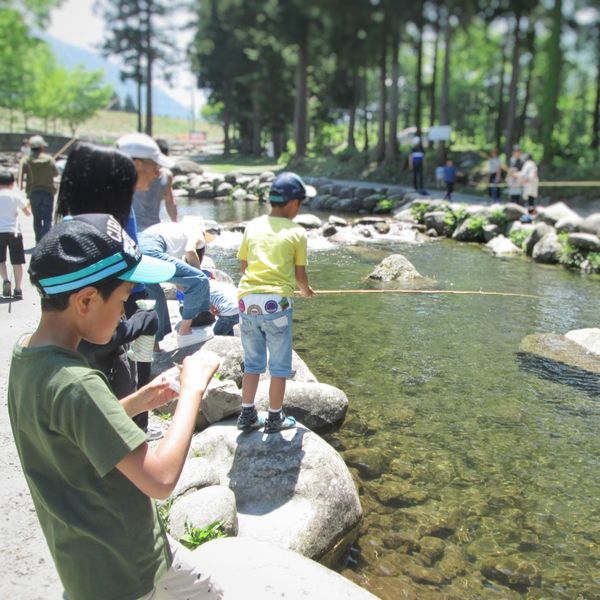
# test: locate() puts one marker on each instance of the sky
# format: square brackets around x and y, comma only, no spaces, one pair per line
[75,23]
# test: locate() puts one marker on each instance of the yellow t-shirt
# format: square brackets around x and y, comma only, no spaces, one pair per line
[272,247]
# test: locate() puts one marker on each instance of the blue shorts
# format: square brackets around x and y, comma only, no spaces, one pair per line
[272,332]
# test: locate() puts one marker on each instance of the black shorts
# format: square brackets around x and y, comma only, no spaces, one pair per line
[14,243]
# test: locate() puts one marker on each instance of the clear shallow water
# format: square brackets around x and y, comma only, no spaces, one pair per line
[478,477]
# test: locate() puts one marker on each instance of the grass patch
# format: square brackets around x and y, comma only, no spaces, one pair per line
[194,536]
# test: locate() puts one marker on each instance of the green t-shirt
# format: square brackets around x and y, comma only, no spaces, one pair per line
[273,247]
[104,534]
[39,172]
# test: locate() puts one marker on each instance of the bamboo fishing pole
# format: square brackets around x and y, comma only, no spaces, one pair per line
[428,292]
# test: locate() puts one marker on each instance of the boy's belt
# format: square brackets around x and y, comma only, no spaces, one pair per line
[263,304]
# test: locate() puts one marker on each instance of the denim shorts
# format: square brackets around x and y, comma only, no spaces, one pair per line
[272,332]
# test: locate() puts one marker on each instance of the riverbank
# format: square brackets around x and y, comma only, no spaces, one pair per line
[27,571]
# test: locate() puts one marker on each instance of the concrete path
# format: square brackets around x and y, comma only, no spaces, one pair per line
[26,568]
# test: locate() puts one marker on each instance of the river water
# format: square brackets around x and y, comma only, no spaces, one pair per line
[478,473]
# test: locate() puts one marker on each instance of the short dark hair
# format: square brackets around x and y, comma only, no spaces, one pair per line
[163,146]
[97,180]
[6,177]
[60,302]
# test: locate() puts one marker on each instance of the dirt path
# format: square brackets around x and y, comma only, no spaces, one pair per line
[27,571]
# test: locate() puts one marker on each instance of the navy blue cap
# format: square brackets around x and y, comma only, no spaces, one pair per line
[90,249]
[289,186]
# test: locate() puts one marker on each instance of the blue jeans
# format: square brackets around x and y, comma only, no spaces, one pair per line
[272,332]
[224,325]
[41,209]
[193,281]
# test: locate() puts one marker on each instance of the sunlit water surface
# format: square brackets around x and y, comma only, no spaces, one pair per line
[449,434]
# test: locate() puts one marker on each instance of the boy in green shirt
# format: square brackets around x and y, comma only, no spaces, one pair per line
[89,469]
[273,262]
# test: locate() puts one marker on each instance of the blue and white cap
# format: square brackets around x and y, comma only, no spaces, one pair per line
[289,186]
[91,249]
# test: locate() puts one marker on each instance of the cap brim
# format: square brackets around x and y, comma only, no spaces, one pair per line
[149,270]
[164,161]
[311,191]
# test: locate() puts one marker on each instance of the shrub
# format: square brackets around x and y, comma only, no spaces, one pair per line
[519,237]
[195,536]
[476,224]
[594,258]
[418,210]
[384,205]
[498,218]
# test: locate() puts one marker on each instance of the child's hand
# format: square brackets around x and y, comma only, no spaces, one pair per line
[156,393]
[197,371]
[307,292]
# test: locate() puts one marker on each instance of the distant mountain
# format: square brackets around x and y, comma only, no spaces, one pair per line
[71,56]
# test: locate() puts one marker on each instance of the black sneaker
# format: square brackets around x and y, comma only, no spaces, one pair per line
[279,424]
[250,420]
[6,289]
[18,295]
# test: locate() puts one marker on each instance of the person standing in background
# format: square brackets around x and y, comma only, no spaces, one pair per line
[449,178]
[416,161]
[528,175]
[494,174]
[39,171]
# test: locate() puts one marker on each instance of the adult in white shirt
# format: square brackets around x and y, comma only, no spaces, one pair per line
[528,176]
[175,242]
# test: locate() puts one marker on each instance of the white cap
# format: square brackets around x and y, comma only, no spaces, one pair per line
[140,145]
[37,141]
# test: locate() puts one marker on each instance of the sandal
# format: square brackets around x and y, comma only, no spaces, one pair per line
[250,420]
[17,295]
[275,425]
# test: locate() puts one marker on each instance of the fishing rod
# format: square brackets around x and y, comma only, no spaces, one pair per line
[427,292]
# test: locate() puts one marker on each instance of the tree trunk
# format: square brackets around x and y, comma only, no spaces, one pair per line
[256,125]
[419,78]
[512,90]
[139,100]
[351,142]
[500,112]
[432,97]
[445,98]
[596,122]
[520,132]
[365,99]
[391,152]
[549,108]
[380,149]
[300,106]
[149,64]
[226,138]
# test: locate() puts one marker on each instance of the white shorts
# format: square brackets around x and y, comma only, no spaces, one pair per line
[184,579]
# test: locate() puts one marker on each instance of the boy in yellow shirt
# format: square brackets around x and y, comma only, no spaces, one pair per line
[273,262]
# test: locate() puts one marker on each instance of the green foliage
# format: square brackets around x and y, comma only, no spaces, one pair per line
[454,217]
[519,237]
[476,224]
[195,536]
[594,258]
[163,513]
[498,218]
[418,211]
[384,206]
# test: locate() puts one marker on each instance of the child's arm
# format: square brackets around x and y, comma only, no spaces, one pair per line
[155,471]
[170,205]
[302,282]
[243,266]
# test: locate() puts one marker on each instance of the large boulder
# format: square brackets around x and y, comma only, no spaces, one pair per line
[197,473]
[308,221]
[291,488]
[555,212]
[395,268]
[502,246]
[320,406]
[263,570]
[348,205]
[568,224]
[513,211]
[466,232]
[184,165]
[538,232]
[548,249]
[437,220]
[591,224]
[224,189]
[203,507]
[584,241]
[587,338]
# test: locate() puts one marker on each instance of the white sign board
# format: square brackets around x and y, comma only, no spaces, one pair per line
[439,133]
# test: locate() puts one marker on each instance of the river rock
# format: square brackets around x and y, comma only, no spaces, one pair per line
[203,507]
[437,220]
[370,202]
[490,231]
[223,189]
[547,250]
[263,570]
[395,268]
[197,473]
[538,232]
[292,488]
[205,191]
[404,215]
[584,241]
[231,178]
[348,205]
[555,212]
[346,236]
[568,224]
[328,230]
[320,406]
[266,177]
[502,246]
[465,233]
[364,192]
[183,165]
[337,221]
[180,181]
[591,224]
[512,571]
[308,221]
[587,338]
[513,211]
[369,462]
[240,194]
